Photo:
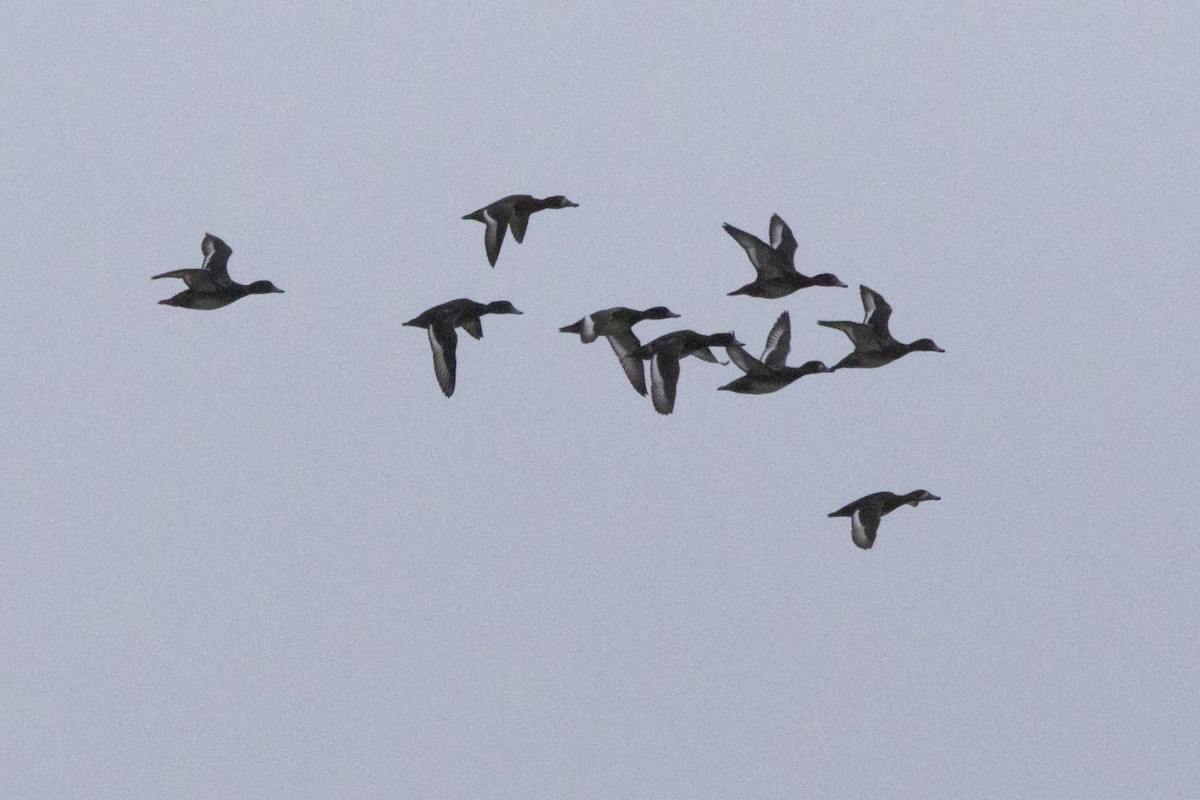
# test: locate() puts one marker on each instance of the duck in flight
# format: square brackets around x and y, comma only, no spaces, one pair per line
[777,276]
[440,322]
[874,345]
[865,512]
[210,286]
[616,324]
[512,212]
[665,353]
[770,373]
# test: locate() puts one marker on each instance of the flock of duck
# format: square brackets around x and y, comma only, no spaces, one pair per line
[210,287]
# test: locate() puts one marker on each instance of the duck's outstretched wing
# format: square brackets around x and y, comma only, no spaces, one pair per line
[518,222]
[625,344]
[200,280]
[782,240]
[862,336]
[779,342]
[496,219]
[664,377]
[473,326]
[744,361]
[864,524]
[876,311]
[216,258]
[444,341]
[766,261]
[705,354]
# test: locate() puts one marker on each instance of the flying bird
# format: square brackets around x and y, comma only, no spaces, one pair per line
[664,354]
[615,324]
[770,373]
[865,512]
[210,286]
[874,345]
[777,276]
[511,212]
[440,322]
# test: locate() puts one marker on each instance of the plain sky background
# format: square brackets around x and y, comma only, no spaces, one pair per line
[255,553]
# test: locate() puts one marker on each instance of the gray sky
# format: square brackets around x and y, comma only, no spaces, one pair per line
[254,553]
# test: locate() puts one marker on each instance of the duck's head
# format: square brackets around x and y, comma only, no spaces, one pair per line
[813,367]
[926,344]
[723,340]
[558,201]
[827,279]
[659,312]
[919,496]
[262,287]
[501,307]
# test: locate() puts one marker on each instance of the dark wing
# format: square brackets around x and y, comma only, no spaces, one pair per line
[625,344]
[766,261]
[704,354]
[864,524]
[782,240]
[862,336]
[216,258]
[199,279]
[496,220]
[779,342]
[876,310]
[744,361]
[443,340]
[473,326]
[664,376]
[518,222]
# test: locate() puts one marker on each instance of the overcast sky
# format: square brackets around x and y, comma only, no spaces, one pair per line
[255,553]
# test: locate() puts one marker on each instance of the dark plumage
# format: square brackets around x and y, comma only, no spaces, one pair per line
[210,286]
[771,373]
[874,345]
[865,512]
[512,212]
[615,324]
[440,322]
[777,276]
[665,353]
